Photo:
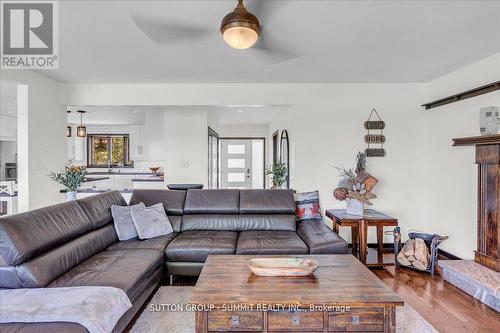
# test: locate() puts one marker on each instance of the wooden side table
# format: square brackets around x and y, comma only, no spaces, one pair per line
[359,232]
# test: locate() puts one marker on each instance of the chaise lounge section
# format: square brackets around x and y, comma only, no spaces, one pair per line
[75,243]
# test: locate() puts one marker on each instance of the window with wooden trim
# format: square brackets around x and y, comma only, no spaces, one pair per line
[108,150]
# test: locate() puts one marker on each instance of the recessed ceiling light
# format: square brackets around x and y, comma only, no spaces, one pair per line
[239,111]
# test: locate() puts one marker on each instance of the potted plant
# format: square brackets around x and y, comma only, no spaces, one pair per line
[355,187]
[72,177]
[278,174]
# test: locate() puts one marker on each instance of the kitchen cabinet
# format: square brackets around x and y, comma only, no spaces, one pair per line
[70,148]
[8,127]
[149,185]
[80,149]
[76,147]
[122,182]
[136,142]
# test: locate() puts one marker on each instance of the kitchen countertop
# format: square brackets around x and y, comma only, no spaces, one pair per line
[98,190]
[6,195]
[114,173]
[149,179]
[93,179]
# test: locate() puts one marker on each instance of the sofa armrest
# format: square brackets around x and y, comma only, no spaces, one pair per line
[320,239]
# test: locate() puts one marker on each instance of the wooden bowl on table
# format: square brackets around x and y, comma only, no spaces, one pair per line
[282,266]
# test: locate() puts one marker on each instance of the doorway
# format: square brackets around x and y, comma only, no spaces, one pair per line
[242,163]
[213,159]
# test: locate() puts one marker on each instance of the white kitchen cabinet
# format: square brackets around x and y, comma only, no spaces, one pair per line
[76,147]
[150,185]
[80,149]
[104,183]
[123,182]
[136,142]
[8,127]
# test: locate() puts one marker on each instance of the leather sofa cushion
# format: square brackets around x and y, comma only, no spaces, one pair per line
[44,269]
[196,246]
[267,202]
[227,222]
[158,243]
[26,235]
[176,222]
[173,201]
[231,222]
[212,202]
[124,269]
[98,207]
[320,239]
[270,242]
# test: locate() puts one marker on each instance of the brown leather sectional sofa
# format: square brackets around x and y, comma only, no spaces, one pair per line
[75,244]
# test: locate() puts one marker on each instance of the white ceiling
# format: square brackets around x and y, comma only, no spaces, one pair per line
[8,98]
[110,114]
[243,115]
[340,41]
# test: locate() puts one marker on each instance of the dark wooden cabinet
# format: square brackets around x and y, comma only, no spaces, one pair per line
[488,204]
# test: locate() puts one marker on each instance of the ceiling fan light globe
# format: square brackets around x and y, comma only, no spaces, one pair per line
[240,37]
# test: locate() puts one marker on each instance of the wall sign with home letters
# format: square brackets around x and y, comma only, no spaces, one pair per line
[374,137]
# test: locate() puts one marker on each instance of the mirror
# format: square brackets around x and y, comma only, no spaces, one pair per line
[285,155]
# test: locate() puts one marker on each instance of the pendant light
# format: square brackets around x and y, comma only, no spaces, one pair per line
[81,131]
[240,29]
[68,128]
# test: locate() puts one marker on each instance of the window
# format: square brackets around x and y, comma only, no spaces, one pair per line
[108,150]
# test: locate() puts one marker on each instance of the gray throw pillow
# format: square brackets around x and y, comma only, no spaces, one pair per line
[151,221]
[124,225]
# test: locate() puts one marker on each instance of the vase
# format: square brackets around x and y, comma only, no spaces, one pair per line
[70,195]
[354,207]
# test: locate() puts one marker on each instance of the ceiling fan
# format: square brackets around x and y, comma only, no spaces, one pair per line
[240,29]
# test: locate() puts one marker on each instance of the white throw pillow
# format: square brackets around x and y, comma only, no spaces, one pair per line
[124,226]
[151,221]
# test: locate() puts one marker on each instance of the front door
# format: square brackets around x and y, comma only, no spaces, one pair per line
[236,164]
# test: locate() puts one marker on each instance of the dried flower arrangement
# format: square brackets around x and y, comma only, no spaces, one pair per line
[356,184]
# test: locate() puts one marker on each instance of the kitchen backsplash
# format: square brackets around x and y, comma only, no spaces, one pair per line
[143,165]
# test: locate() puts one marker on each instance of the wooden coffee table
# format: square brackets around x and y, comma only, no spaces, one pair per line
[341,296]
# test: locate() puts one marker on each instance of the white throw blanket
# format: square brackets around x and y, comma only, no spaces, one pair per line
[98,309]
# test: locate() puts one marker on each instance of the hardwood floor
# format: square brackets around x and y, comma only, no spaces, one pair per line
[444,306]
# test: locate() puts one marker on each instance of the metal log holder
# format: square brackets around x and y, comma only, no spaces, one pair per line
[431,240]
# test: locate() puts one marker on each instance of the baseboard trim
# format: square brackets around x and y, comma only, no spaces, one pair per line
[448,255]
[375,245]
[442,253]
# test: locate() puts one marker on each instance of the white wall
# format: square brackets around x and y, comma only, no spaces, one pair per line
[325,124]
[452,181]
[42,137]
[154,136]
[423,181]
[249,131]
[186,146]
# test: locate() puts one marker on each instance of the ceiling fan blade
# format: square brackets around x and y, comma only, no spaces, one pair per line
[265,10]
[272,51]
[165,32]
